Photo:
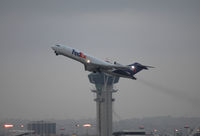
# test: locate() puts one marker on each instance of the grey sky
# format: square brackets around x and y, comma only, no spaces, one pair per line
[34,83]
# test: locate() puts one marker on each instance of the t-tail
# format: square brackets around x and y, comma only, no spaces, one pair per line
[137,67]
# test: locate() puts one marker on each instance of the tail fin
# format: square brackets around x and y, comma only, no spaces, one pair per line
[137,67]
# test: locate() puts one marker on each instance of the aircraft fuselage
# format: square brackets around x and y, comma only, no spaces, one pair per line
[93,64]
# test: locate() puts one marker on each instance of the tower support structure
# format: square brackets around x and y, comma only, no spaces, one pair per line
[103,89]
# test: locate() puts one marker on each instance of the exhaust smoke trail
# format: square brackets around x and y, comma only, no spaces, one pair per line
[172,92]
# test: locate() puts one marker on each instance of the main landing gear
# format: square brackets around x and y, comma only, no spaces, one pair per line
[56,53]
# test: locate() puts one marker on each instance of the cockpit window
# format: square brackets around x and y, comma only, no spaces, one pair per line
[58,45]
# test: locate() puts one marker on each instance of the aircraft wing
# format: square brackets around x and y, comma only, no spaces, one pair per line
[114,67]
[97,67]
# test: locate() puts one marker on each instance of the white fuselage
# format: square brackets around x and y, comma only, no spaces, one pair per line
[91,64]
[77,55]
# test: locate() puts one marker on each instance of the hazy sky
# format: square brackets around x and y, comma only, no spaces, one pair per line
[36,84]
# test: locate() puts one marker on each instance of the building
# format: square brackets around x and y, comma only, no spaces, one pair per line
[130,133]
[42,128]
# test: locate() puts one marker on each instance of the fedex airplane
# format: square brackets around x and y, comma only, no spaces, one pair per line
[93,64]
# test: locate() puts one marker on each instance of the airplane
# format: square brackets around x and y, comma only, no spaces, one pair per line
[93,64]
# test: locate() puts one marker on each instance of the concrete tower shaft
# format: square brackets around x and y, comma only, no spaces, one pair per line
[104,89]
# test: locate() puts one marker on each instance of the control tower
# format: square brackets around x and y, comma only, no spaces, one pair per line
[104,89]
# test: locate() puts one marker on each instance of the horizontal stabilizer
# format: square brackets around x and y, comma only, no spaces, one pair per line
[149,66]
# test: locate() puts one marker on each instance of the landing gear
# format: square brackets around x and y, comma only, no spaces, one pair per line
[56,53]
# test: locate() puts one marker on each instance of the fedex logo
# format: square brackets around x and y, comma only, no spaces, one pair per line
[79,54]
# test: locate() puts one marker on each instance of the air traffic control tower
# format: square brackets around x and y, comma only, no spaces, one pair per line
[104,89]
